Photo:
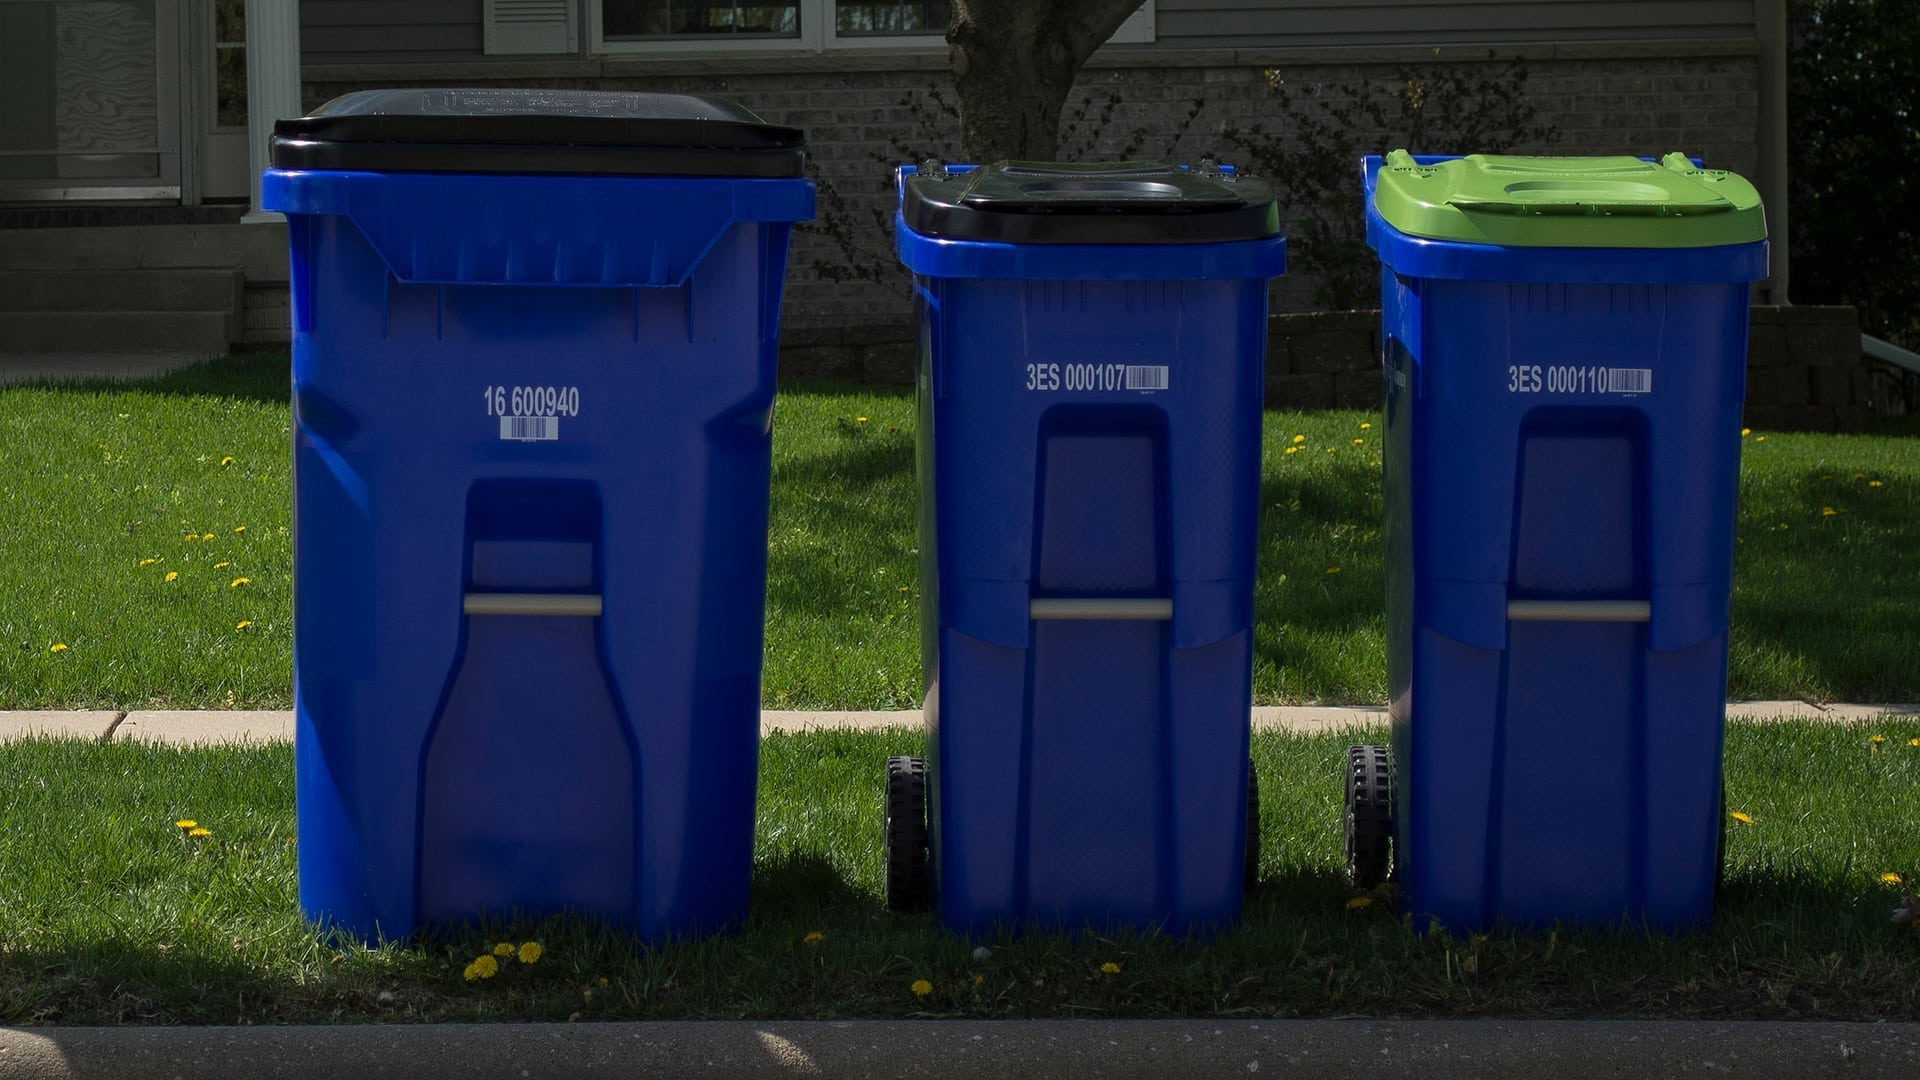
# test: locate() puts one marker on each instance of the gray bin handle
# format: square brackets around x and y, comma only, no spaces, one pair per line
[1579,611]
[585,605]
[1140,609]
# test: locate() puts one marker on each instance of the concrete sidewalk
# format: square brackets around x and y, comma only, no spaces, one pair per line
[213,726]
[33,367]
[977,1050]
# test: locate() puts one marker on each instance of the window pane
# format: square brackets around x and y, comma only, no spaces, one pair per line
[924,17]
[698,18]
[230,86]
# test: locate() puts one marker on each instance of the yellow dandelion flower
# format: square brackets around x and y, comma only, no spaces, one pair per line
[1364,425]
[1913,742]
[504,948]
[1298,439]
[484,967]
[1333,569]
[529,952]
[239,528]
[221,565]
[173,575]
[978,979]
[859,419]
[1359,442]
[1745,431]
[1892,878]
[185,823]
[1874,483]
[148,562]
[1110,968]
[1828,511]
[243,624]
[1293,449]
[200,833]
[206,536]
[239,581]
[57,647]
[1744,819]
[814,937]
[603,981]
[1358,902]
[226,461]
[1877,739]
[1759,438]
[921,987]
[1859,476]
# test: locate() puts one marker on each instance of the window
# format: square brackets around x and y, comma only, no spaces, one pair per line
[865,20]
[683,19]
[680,26]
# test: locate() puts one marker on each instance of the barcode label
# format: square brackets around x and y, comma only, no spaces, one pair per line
[530,428]
[1629,380]
[1146,376]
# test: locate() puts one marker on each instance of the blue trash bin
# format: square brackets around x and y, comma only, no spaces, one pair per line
[1564,361]
[533,377]
[1092,356]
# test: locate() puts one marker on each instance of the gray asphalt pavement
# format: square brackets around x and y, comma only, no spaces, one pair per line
[977,1050]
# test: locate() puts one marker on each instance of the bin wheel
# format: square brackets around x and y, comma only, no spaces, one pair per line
[1369,831]
[904,839]
[1251,875]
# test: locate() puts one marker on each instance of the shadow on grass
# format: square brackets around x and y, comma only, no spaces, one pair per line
[116,984]
[259,376]
[1781,947]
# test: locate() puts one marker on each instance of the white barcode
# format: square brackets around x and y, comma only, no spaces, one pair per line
[1146,376]
[530,428]
[1622,380]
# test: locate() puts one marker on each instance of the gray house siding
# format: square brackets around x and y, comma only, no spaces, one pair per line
[1253,24]
[375,31]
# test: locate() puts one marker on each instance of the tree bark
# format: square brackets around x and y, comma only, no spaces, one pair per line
[1014,62]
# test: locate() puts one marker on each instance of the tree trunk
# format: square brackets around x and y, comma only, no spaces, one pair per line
[1014,62]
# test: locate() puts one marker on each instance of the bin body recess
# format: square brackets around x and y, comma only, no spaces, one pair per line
[1091,368]
[1564,365]
[533,377]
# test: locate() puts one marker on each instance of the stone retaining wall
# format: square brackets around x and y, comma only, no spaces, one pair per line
[1804,371]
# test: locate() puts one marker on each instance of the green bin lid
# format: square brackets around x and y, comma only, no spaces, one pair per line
[1596,202]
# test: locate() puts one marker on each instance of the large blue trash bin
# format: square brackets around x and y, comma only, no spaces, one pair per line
[533,378]
[1092,356]
[1564,361]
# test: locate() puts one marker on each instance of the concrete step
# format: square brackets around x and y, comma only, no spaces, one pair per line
[204,332]
[259,250]
[121,290]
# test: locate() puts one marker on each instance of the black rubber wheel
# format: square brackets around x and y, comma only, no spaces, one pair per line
[1251,875]
[904,838]
[1369,831]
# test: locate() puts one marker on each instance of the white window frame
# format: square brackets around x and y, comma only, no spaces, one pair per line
[818,33]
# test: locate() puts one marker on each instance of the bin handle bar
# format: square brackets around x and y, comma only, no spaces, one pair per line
[1146,609]
[1579,610]
[585,605]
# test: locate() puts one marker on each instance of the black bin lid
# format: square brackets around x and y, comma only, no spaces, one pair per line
[1130,202]
[538,131]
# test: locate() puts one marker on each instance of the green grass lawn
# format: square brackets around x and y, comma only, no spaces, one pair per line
[109,489]
[109,914]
